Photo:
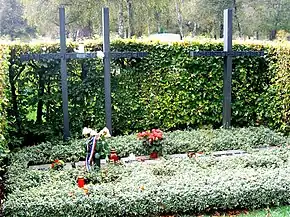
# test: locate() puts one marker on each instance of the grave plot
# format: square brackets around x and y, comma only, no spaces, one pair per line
[187,183]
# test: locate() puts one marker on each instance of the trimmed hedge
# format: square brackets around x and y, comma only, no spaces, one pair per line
[174,143]
[3,98]
[173,186]
[168,89]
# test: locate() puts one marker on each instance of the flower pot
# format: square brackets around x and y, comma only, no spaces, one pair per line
[154,155]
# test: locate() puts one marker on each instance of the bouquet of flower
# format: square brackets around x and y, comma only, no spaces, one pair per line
[57,165]
[96,146]
[100,139]
[151,139]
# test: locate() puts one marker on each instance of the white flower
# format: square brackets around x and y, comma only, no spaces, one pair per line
[86,131]
[94,133]
[105,132]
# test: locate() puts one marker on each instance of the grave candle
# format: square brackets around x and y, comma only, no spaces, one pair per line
[81,181]
[113,156]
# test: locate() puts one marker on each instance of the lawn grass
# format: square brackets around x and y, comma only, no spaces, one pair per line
[283,211]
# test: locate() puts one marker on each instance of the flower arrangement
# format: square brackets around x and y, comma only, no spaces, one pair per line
[104,133]
[152,140]
[57,165]
[97,146]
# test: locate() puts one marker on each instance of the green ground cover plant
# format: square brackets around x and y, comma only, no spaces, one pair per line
[174,143]
[172,186]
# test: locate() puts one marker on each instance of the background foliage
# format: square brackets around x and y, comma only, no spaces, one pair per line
[258,19]
[167,90]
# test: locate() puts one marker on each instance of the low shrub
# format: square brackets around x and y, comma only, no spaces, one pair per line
[173,186]
[221,139]
[21,178]
[174,143]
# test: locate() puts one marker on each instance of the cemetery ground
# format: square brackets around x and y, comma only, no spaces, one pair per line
[254,175]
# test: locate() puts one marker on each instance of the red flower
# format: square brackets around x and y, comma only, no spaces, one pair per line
[157,134]
[56,161]
[139,135]
[142,135]
[150,137]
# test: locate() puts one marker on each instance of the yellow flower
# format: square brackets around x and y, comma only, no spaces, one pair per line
[105,132]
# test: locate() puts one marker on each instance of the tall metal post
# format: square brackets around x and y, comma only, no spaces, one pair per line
[107,74]
[227,89]
[64,72]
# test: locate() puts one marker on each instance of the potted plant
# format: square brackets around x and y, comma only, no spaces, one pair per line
[152,141]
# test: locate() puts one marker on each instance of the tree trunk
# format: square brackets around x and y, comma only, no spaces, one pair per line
[84,72]
[90,29]
[130,19]
[273,34]
[84,75]
[157,17]
[40,97]
[15,111]
[121,20]
[74,35]
[277,20]
[257,35]
[221,30]
[48,103]
[148,29]
[179,19]
[237,18]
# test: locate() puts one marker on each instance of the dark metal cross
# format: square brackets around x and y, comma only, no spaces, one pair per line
[228,54]
[63,56]
[107,56]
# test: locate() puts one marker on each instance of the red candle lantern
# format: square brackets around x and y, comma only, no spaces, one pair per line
[113,155]
[81,181]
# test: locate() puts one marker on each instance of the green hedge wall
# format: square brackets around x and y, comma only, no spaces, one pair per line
[4,52]
[168,89]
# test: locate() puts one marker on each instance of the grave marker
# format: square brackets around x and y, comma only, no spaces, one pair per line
[63,56]
[228,54]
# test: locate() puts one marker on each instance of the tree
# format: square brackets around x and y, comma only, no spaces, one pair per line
[144,17]
[12,21]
